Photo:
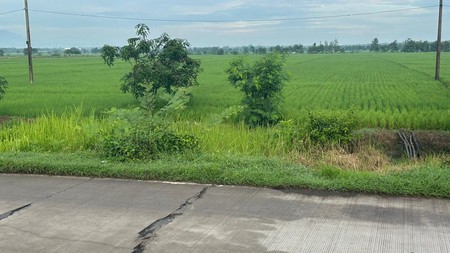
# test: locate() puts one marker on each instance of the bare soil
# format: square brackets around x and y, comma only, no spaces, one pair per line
[4,119]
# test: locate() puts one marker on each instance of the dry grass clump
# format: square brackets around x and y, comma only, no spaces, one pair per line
[366,158]
[379,150]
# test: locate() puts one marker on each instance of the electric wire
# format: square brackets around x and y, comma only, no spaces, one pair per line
[8,12]
[230,20]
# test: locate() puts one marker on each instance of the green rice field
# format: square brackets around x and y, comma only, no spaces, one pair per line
[385,90]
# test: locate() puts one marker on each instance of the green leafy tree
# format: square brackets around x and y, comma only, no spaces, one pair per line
[335,46]
[156,63]
[423,46]
[393,47]
[72,51]
[3,86]
[2,53]
[261,84]
[95,50]
[410,46]
[33,51]
[298,48]
[375,46]
[220,51]
[445,46]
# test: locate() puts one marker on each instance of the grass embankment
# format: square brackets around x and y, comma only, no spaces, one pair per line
[421,180]
[379,87]
[69,144]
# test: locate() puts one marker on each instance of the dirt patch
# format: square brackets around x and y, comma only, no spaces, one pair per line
[4,119]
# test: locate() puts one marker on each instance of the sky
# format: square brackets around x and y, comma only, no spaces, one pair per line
[222,22]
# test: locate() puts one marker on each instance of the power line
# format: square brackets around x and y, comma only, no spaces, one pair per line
[231,20]
[8,12]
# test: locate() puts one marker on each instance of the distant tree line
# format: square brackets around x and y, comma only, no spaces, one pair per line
[332,47]
[408,46]
[326,48]
[250,49]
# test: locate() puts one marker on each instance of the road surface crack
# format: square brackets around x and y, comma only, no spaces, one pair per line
[9,213]
[65,189]
[148,233]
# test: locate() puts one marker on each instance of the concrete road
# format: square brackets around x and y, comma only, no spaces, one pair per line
[64,214]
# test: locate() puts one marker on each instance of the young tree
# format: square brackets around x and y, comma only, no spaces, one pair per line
[261,84]
[409,46]
[375,46]
[157,63]
[3,86]
[336,47]
[393,47]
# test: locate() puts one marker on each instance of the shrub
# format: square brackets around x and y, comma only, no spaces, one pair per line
[135,136]
[332,127]
[288,134]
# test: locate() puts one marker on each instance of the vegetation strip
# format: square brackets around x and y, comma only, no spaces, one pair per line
[425,180]
[327,99]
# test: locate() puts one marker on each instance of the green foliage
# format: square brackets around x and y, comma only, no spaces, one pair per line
[168,105]
[231,114]
[287,135]
[335,127]
[72,50]
[261,84]
[3,86]
[136,135]
[157,63]
[409,46]
[178,102]
[375,46]
[33,51]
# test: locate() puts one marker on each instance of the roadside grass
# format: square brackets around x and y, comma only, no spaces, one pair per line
[70,131]
[420,180]
[68,144]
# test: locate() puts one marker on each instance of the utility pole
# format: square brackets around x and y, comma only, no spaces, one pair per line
[29,48]
[438,48]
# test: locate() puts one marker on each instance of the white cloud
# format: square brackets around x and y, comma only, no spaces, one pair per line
[209,9]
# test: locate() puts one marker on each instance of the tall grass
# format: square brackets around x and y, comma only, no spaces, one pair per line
[232,139]
[70,131]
